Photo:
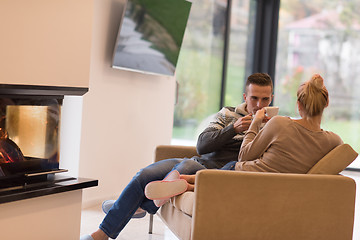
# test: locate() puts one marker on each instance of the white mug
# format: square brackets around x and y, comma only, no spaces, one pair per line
[271,111]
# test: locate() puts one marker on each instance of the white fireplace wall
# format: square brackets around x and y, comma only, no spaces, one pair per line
[48,43]
[125,114]
[70,134]
[45,42]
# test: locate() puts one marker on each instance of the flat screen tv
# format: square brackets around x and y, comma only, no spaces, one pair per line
[150,36]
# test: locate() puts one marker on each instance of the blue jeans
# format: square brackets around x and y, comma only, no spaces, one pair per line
[229,166]
[133,197]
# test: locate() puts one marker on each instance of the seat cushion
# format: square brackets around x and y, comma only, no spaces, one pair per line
[184,202]
[177,221]
[335,161]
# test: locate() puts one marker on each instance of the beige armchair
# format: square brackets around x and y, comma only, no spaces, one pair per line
[264,206]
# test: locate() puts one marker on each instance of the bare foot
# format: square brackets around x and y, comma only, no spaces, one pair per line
[190,180]
[99,235]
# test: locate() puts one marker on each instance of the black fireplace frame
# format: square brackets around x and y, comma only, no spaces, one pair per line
[35,92]
[17,90]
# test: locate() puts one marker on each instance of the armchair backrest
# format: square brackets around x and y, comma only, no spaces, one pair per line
[335,161]
[173,151]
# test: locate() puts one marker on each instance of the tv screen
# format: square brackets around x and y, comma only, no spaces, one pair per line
[150,35]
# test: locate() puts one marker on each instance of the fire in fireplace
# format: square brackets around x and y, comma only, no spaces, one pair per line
[29,136]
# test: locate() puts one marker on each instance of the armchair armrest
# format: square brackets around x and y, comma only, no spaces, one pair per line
[173,151]
[250,205]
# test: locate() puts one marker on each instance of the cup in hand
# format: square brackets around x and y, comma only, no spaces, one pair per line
[271,111]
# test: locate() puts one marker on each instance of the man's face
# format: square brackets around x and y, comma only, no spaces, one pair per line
[257,97]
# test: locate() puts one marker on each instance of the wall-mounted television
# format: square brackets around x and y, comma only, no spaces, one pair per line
[150,35]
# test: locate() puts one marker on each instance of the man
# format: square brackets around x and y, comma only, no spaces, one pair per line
[217,145]
[220,142]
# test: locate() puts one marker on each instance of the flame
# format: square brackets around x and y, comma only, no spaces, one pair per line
[9,151]
[5,158]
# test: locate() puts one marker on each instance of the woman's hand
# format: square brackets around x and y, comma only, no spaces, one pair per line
[260,114]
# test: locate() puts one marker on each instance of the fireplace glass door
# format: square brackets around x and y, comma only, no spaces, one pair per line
[29,136]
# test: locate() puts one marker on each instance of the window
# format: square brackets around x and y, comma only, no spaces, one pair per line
[241,16]
[322,37]
[200,65]
[311,37]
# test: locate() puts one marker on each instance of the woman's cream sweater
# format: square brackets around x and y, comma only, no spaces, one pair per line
[283,146]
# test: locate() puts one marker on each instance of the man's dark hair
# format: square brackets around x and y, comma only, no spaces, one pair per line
[261,79]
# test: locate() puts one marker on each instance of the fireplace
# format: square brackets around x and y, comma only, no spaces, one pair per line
[45,57]
[31,191]
[29,133]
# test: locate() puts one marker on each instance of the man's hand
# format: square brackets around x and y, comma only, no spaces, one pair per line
[243,124]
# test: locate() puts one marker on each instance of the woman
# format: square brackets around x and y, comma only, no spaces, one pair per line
[284,145]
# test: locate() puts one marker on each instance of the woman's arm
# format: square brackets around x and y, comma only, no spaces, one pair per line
[256,142]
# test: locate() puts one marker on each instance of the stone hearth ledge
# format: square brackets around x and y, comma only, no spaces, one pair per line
[59,184]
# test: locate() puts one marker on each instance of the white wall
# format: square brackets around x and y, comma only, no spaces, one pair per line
[45,42]
[125,114]
[70,134]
